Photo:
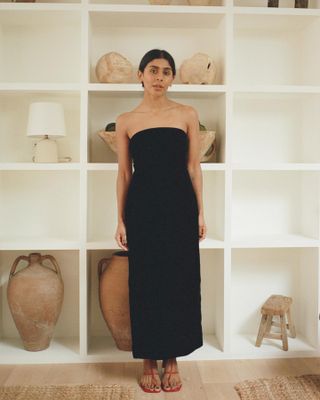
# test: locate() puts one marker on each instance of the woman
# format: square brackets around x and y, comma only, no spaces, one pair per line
[160,223]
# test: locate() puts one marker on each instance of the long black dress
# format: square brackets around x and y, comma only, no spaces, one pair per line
[161,219]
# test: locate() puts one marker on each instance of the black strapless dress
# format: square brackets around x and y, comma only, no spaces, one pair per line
[161,218]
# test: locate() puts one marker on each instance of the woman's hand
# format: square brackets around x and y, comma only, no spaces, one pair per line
[202,227]
[121,236]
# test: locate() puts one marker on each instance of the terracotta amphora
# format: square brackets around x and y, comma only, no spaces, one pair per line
[35,296]
[113,276]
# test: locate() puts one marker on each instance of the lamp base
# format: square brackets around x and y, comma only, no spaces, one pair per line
[46,150]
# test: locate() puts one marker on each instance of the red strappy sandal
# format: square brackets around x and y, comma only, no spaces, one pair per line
[146,389]
[177,388]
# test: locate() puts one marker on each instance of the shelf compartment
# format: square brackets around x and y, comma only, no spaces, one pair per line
[101,344]
[181,34]
[26,53]
[16,147]
[64,345]
[104,108]
[275,204]
[257,274]
[102,208]
[39,205]
[288,43]
[313,4]
[281,128]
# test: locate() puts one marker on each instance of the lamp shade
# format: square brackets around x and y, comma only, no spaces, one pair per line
[46,118]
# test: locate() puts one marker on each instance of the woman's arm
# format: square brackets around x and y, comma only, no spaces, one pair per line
[194,167]
[124,176]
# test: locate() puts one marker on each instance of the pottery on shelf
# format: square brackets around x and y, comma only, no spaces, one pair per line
[35,296]
[199,69]
[113,276]
[207,143]
[114,68]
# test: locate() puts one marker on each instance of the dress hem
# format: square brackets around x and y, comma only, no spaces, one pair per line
[168,355]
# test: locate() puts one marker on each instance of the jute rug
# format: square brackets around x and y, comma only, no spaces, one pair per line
[305,387]
[67,392]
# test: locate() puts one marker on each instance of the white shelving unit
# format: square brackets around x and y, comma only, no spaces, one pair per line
[261,197]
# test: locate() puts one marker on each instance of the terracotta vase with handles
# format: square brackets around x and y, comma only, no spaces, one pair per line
[35,296]
[113,276]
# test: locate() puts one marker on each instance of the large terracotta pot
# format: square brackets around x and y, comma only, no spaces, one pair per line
[35,296]
[113,276]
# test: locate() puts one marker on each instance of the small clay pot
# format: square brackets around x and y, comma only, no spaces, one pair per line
[113,67]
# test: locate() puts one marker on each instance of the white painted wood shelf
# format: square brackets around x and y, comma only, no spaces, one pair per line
[261,196]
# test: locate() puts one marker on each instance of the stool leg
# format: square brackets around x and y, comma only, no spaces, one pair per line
[262,329]
[291,325]
[283,332]
[268,324]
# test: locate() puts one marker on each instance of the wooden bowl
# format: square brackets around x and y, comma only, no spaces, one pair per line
[207,143]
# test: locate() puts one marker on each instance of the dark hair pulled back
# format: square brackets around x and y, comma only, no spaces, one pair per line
[157,53]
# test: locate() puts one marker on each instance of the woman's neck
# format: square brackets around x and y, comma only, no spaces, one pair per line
[154,103]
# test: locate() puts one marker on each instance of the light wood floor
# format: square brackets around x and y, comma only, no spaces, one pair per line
[202,380]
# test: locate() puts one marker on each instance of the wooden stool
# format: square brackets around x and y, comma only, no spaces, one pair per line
[276,305]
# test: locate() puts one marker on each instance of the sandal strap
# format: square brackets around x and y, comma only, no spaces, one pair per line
[151,372]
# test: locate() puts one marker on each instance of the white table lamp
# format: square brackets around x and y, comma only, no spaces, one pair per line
[46,119]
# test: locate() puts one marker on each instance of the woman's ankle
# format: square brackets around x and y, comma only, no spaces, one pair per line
[149,363]
[168,361]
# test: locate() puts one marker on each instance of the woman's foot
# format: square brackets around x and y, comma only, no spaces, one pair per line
[150,380]
[170,381]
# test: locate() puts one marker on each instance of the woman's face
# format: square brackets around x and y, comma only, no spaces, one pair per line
[157,76]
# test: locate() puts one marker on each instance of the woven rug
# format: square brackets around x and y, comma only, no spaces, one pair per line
[305,387]
[67,392]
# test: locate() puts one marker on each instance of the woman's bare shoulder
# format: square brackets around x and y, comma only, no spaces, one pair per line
[123,117]
[186,108]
